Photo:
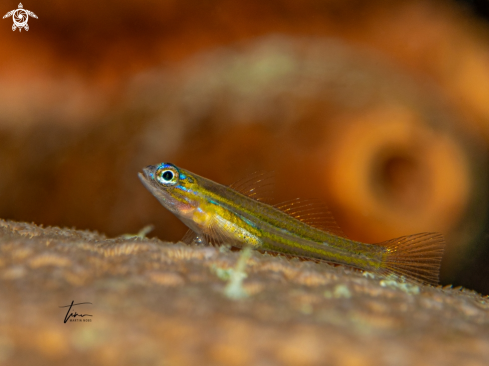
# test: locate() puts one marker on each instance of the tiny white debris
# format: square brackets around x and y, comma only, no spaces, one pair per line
[404,286]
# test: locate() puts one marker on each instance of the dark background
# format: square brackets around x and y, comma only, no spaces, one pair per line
[378,108]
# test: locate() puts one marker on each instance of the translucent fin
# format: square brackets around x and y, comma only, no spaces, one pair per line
[311,212]
[416,257]
[191,237]
[218,237]
[215,236]
[257,185]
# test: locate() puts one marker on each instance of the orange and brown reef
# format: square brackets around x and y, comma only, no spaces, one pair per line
[383,105]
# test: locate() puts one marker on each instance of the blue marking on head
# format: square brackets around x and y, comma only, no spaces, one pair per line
[166,165]
[182,176]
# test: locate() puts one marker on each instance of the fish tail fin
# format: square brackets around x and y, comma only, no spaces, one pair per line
[416,257]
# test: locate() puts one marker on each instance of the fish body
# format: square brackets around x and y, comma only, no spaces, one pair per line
[222,214]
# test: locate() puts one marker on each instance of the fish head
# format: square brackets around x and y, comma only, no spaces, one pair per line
[174,187]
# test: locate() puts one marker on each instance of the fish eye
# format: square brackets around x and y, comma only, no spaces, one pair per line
[168,175]
[165,176]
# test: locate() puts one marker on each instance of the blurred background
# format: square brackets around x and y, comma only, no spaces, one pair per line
[379,108]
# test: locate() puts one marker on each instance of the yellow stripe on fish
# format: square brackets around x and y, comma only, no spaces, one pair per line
[235,215]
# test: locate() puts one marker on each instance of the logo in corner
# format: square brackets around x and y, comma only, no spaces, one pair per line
[20,16]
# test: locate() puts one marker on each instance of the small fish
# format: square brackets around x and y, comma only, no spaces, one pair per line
[236,215]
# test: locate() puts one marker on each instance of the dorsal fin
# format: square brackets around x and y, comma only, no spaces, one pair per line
[257,185]
[312,212]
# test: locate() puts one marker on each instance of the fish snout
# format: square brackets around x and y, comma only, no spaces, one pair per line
[149,171]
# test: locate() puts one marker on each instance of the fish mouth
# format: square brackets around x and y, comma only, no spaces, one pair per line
[149,171]
[161,193]
[147,176]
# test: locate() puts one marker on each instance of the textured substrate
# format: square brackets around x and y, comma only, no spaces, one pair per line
[157,303]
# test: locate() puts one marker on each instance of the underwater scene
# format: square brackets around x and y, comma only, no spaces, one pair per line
[244,183]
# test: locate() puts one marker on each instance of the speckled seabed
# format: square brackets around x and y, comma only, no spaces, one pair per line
[159,303]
